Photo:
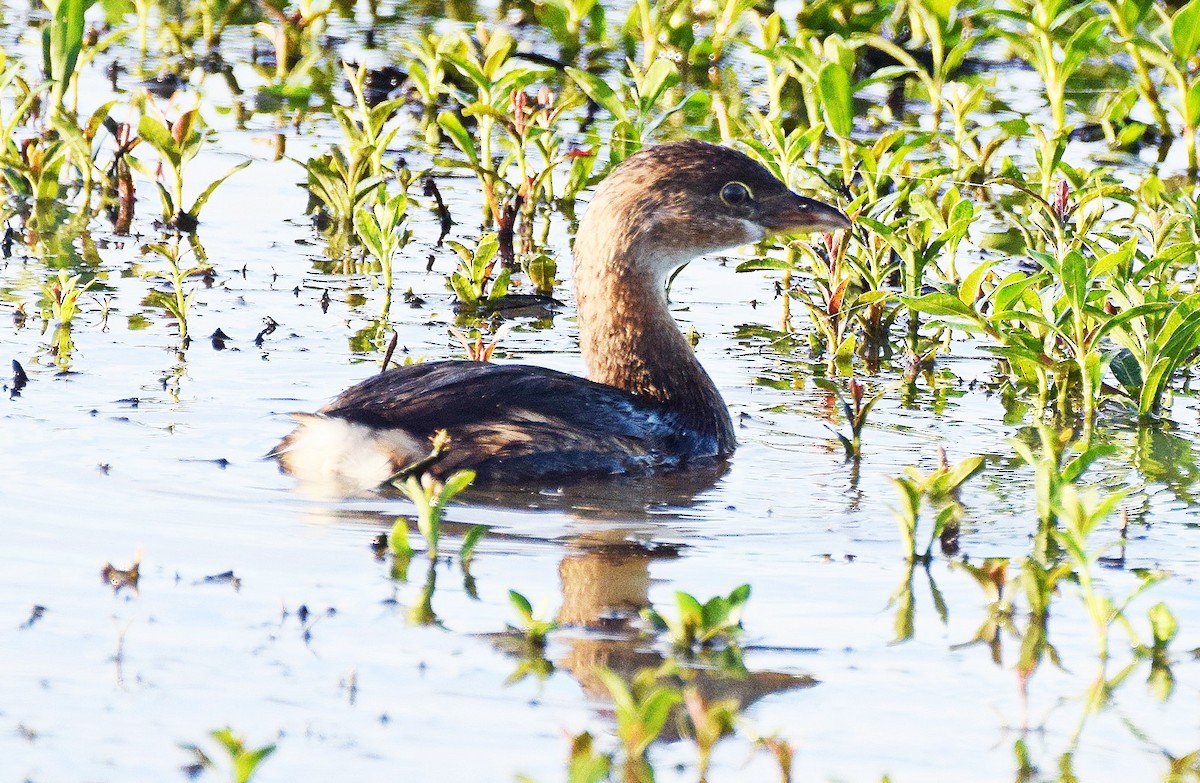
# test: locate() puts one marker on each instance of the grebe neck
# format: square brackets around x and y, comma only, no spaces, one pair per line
[629,338]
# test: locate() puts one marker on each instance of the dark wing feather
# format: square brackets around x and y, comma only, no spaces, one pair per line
[513,422]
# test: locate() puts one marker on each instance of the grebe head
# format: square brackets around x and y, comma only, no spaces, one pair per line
[672,202]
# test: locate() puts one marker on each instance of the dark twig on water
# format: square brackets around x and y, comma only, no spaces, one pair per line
[507,221]
[430,188]
[20,379]
[271,326]
[391,349]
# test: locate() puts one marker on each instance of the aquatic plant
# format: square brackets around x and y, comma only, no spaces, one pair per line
[1081,512]
[586,764]
[1054,37]
[716,622]
[782,751]
[1155,344]
[641,707]
[339,183]
[351,172]
[938,490]
[430,496]
[243,761]
[32,169]
[496,80]
[473,283]
[62,43]
[856,411]
[636,105]
[61,293]
[295,37]
[1172,53]
[565,20]
[532,628]
[177,143]
[950,30]
[179,299]
[710,721]
[381,228]
[1062,461]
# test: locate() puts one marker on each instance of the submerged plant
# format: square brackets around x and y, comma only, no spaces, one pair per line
[1054,37]
[586,764]
[1175,53]
[1061,463]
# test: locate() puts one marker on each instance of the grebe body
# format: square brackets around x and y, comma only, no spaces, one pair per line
[647,403]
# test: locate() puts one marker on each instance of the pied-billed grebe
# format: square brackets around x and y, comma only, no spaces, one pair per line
[646,404]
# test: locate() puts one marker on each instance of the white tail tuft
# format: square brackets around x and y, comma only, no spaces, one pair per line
[331,456]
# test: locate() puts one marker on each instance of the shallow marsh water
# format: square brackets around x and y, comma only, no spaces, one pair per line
[139,450]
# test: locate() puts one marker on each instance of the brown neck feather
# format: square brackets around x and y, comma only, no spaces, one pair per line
[628,337]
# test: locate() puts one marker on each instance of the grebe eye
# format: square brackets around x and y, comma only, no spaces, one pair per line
[735,194]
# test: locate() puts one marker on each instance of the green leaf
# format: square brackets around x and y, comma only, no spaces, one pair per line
[655,710]
[1163,624]
[457,482]
[598,90]
[247,762]
[1081,44]
[837,98]
[1185,31]
[618,689]
[713,614]
[471,540]
[1134,11]
[168,203]
[450,123]
[398,541]
[1077,466]
[500,286]
[63,41]
[1127,371]
[940,304]
[867,298]
[1192,103]
[655,82]
[968,292]
[1075,279]
[521,604]
[1157,382]
[155,132]
[759,264]
[469,70]
[206,194]
[689,607]
[463,289]
[961,472]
